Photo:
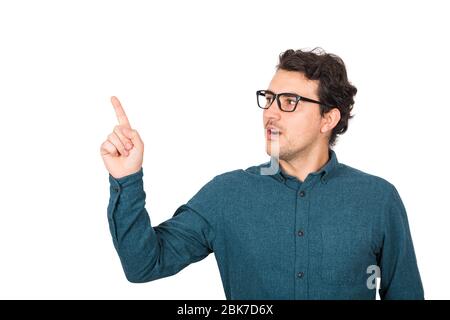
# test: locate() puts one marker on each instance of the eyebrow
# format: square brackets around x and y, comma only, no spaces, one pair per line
[288,92]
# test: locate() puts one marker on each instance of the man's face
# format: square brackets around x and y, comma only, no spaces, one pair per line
[299,130]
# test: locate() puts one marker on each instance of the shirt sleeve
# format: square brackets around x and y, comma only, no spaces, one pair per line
[400,278]
[148,253]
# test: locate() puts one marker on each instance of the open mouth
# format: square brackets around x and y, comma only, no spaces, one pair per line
[272,133]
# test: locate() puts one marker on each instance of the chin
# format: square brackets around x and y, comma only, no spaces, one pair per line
[270,153]
[287,154]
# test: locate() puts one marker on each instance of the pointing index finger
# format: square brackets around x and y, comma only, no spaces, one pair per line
[120,113]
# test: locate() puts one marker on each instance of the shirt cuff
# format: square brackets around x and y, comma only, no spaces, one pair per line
[117,184]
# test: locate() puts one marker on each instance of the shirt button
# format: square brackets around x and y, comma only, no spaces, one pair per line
[301,193]
[300,274]
[116,189]
[300,233]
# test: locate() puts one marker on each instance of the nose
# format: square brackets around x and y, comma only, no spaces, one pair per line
[273,113]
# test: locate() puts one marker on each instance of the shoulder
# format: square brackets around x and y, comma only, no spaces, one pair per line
[220,185]
[239,175]
[229,175]
[234,182]
[357,178]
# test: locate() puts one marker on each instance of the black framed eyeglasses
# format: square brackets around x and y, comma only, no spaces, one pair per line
[287,102]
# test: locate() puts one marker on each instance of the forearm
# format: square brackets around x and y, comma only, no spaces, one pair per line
[133,237]
[149,253]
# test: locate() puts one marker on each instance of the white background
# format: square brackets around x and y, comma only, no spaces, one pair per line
[186,73]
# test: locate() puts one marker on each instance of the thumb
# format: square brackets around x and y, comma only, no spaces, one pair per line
[133,135]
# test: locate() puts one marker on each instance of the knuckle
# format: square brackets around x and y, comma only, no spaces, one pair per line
[118,128]
[126,139]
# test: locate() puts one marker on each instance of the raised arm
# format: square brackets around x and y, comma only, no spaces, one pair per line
[148,253]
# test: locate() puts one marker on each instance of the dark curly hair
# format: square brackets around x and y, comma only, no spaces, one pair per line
[335,91]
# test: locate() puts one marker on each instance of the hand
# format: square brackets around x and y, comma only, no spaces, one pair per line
[123,150]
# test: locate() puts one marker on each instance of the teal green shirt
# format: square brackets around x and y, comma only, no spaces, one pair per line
[275,237]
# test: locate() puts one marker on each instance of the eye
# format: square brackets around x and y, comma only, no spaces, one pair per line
[292,102]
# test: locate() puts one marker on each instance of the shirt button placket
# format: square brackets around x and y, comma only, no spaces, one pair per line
[301,245]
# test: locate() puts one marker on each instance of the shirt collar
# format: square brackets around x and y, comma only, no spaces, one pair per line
[324,172]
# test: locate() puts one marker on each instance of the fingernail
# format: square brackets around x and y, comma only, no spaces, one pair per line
[128,146]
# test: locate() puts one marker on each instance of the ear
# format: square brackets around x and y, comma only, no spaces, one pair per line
[330,120]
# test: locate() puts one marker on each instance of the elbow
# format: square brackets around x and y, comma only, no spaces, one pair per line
[137,271]
[134,278]
[134,275]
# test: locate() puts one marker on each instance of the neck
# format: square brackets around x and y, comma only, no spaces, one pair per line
[305,162]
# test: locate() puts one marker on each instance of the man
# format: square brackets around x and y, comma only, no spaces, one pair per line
[303,226]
